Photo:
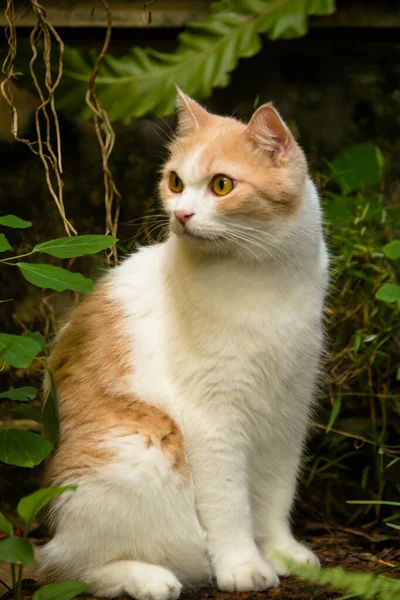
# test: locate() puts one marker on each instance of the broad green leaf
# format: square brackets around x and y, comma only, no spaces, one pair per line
[4,245]
[390,292]
[144,80]
[51,424]
[334,413]
[35,335]
[5,525]
[29,506]
[392,250]
[14,222]
[16,550]
[21,394]
[28,411]
[23,448]
[79,245]
[19,351]
[62,590]
[55,278]
[358,167]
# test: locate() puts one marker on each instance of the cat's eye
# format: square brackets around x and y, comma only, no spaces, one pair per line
[222,185]
[175,182]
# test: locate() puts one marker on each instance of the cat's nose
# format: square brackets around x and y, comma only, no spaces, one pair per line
[183,216]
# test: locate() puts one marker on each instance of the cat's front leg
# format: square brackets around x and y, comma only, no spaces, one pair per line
[222,499]
[273,493]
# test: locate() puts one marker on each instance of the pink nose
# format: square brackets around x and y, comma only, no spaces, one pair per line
[183,216]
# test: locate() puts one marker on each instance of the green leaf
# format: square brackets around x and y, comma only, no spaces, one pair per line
[358,167]
[29,506]
[19,351]
[63,590]
[23,448]
[337,405]
[16,550]
[14,222]
[392,250]
[79,245]
[55,278]
[390,292]
[35,335]
[5,525]
[144,80]
[21,394]
[29,412]
[51,424]
[4,245]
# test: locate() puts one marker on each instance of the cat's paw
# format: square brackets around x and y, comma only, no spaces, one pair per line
[296,551]
[253,576]
[155,583]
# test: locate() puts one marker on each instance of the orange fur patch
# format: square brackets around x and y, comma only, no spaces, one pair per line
[90,367]
[266,186]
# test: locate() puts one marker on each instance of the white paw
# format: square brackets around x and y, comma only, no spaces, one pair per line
[254,576]
[295,552]
[154,583]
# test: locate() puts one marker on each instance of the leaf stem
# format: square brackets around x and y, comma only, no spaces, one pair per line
[6,260]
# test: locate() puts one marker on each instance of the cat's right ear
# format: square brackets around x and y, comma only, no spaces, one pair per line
[191,115]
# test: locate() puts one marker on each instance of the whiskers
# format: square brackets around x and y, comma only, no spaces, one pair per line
[153,227]
[253,242]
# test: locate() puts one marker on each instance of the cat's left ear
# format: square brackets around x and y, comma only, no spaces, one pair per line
[268,131]
[191,115]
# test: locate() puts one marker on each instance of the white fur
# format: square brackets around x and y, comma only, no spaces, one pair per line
[229,346]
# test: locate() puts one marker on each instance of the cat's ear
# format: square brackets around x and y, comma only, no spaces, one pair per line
[268,131]
[191,115]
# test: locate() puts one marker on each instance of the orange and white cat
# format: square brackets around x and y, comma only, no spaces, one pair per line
[185,380]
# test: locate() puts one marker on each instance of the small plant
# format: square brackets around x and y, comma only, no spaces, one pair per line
[25,448]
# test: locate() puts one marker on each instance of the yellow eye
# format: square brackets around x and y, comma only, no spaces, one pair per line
[222,185]
[175,183]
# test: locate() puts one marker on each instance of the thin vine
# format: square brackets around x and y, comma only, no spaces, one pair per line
[106,138]
[46,111]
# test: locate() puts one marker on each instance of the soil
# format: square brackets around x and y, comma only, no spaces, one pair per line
[354,549]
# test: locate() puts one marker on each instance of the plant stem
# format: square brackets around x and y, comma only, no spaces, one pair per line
[13,576]
[6,260]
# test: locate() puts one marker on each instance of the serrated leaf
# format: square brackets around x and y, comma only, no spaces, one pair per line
[144,80]
[19,351]
[22,394]
[23,448]
[392,250]
[16,550]
[55,278]
[390,292]
[4,244]
[62,590]
[14,222]
[358,167]
[5,525]
[29,506]
[79,245]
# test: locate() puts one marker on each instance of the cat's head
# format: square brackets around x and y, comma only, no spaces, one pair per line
[228,186]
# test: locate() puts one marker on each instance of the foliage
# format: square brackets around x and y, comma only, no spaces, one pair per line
[144,80]
[363,317]
[18,551]
[24,448]
[361,585]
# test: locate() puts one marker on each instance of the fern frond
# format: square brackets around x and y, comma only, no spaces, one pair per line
[144,80]
[363,585]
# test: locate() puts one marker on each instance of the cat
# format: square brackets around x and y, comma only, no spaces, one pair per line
[185,381]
